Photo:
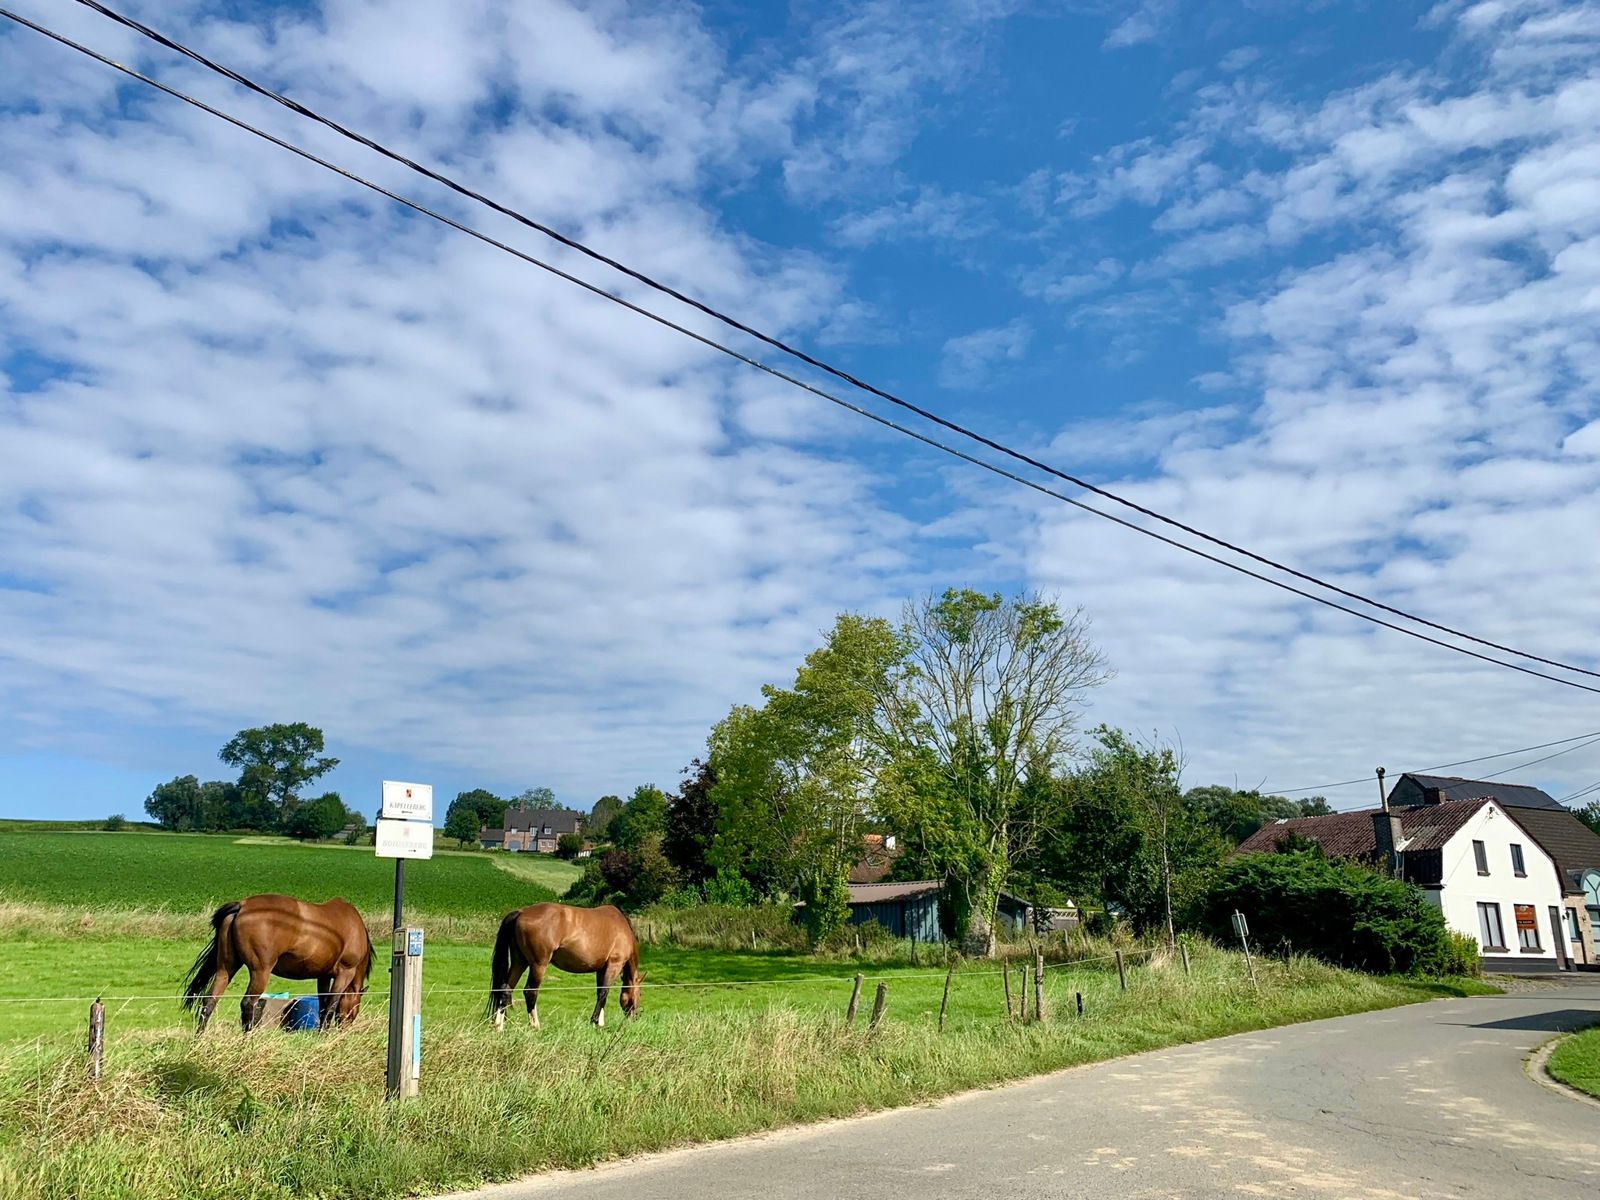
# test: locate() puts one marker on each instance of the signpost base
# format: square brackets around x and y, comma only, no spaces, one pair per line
[405,1015]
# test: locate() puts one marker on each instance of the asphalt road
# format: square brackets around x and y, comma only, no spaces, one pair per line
[1426,1101]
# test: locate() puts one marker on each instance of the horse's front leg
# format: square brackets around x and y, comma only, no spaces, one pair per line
[530,994]
[327,1013]
[604,978]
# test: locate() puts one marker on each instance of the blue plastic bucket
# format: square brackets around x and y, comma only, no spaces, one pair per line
[304,1013]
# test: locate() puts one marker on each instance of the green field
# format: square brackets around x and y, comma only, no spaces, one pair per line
[177,872]
[725,1043]
[1576,1061]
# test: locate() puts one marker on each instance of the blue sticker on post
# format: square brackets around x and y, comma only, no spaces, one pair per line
[416,1045]
[414,943]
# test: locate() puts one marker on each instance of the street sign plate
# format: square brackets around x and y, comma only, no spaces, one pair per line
[403,839]
[407,801]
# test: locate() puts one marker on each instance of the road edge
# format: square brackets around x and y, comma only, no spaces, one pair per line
[1537,1068]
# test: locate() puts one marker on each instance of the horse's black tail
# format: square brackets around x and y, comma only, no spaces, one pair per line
[205,966]
[500,971]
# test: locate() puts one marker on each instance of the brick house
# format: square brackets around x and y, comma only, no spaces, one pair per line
[531,830]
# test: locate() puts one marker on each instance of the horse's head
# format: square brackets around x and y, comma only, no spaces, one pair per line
[630,989]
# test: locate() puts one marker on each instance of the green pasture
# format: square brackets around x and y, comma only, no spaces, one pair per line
[196,872]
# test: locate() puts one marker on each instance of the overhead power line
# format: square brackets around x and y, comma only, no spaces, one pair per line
[777,343]
[1461,762]
[1581,793]
[777,373]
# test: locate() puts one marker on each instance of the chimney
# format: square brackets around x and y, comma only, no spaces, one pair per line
[1433,795]
[1386,829]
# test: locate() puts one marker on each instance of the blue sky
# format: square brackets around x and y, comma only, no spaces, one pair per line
[1319,278]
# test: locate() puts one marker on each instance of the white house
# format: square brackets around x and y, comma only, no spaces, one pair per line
[1490,878]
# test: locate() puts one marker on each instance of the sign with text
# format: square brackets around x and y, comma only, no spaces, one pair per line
[403,839]
[407,801]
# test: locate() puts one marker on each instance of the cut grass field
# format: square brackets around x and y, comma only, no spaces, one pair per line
[1576,1062]
[192,873]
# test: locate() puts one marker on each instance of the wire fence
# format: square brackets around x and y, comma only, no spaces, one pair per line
[644,985]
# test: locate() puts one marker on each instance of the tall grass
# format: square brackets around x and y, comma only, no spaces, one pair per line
[278,1115]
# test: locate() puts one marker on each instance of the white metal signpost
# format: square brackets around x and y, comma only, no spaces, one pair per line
[405,830]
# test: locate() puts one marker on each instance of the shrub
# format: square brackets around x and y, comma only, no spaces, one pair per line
[729,887]
[569,846]
[1458,955]
[1098,923]
[115,822]
[1340,912]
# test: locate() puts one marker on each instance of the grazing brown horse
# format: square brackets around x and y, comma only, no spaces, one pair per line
[279,935]
[575,939]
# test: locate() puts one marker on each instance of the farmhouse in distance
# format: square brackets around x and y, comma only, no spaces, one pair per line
[531,830]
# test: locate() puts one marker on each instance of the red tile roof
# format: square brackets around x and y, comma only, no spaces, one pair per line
[1351,834]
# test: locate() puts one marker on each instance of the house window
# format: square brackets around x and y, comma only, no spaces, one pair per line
[1489,930]
[1573,933]
[1527,926]
[1518,868]
[1481,856]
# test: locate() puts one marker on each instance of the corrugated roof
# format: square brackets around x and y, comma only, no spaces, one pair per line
[873,893]
[1510,795]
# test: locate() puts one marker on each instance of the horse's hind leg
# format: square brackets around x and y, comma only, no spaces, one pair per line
[531,993]
[219,985]
[502,998]
[604,978]
[250,1006]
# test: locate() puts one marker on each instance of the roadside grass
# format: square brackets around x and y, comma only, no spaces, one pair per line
[297,1115]
[1576,1061]
[190,873]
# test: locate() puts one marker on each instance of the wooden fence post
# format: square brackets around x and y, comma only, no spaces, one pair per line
[878,1004]
[1183,949]
[945,1003]
[97,1038]
[1080,1002]
[855,997]
[1038,984]
[1122,971]
[1005,974]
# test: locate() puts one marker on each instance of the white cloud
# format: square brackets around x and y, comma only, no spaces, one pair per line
[271,450]
[971,358]
[1145,24]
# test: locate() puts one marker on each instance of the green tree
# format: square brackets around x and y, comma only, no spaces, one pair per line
[569,846]
[461,822]
[1236,814]
[1589,814]
[691,825]
[536,798]
[978,721]
[491,809]
[115,822]
[1315,806]
[317,819]
[643,816]
[1129,835]
[274,762]
[185,805]
[598,824]
[795,778]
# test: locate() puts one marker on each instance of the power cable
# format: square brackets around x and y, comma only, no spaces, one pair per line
[1442,766]
[776,373]
[786,347]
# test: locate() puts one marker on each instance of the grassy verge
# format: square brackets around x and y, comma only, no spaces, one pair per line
[280,1115]
[1576,1062]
